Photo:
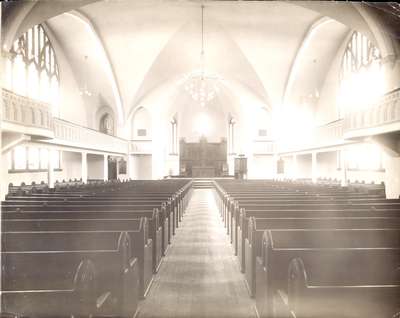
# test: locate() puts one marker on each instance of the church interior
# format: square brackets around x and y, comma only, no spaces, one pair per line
[188,158]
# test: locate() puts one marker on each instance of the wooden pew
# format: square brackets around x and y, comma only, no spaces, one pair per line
[233,216]
[165,214]
[256,228]
[312,293]
[240,222]
[55,274]
[150,214]
[166,211]
[158,230]
[137,229]
[350,247]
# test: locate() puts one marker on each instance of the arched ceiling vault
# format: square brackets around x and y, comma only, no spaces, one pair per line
[134,51]
[186,41]
[314,57]
[105,61]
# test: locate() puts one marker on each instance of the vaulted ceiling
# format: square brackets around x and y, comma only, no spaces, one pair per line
[135,47]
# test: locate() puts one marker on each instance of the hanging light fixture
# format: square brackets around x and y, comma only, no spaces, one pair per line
[84,91]
[201,87]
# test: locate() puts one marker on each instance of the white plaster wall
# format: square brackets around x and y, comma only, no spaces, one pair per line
[71,106]
[142,120]
[392,177]
[72,165]
[261,167]
[95,166]
[304,166]
[141,167]
[327,165]
[188,117]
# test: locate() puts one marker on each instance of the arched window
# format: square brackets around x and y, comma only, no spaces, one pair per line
[174,136]
[31,68]
[231,136]
[107,124]
[361,80]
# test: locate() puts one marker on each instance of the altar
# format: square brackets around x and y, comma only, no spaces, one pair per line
[203,159]
[203,172]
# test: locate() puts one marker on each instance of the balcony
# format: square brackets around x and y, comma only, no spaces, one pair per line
[381,118]
[26,116]
[321,137]
[141,147]
[72,135]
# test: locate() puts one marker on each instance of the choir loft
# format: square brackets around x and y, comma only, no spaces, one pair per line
[193,158]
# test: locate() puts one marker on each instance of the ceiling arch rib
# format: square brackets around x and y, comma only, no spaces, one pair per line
[21,17]
[298,57]
[384,43]
[106,61]
[12,22]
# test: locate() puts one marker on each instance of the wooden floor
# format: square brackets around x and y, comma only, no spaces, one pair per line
[199,276]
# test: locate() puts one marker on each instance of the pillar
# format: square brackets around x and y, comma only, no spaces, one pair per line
[3,169]
[84,168]
[343,167]
[50,169]
[314,167]
[295,168]
[105,168]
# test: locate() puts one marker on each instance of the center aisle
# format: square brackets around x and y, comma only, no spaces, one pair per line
[199,276]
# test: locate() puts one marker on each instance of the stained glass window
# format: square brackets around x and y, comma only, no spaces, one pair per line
[361,78]
[32,69]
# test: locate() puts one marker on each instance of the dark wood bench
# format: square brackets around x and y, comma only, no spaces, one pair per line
[137,229]
[256,228]
[240,221]
[65,277]
[158,230]
[278,249]
[312,293]
[167,213]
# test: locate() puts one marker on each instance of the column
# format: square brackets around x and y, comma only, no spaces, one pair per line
[128,162]
[50,169]
[295,168]
[343,167]
[84,168]
[275,167]
[4,167]
[105,168]
[314,167]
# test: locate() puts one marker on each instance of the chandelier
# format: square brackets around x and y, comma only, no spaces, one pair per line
[201,87]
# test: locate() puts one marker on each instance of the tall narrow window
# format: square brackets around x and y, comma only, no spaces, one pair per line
[31,68]
[361,78]
[174,136]
[231,136]
[20,162]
